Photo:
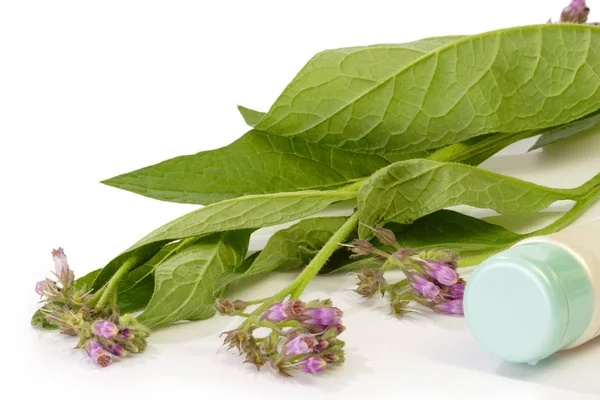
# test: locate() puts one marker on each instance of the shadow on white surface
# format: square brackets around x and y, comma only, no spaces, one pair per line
[562,370]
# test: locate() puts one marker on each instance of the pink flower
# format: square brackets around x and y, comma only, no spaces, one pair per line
[281,311]
[456,291]
[423,285]
[313,365]
[60,262]
[117,349]
[98,354]
[324,317]
[452,307]
[301,344]
[105,329]
[440,272]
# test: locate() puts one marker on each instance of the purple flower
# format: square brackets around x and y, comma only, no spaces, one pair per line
[45,288]
[126,334]
[313,365]
[60,262]
[324,317]
[577,12]
[456,291]
[98,354]
[301,344]
[422,285]
[453,307]
[105,329]
[117,349]
[282,311]
[440,272]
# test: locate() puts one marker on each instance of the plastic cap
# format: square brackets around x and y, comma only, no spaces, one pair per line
[528,302]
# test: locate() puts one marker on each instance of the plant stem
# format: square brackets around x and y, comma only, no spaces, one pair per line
[114,281]
[477,150]
[295,288]
[323,255]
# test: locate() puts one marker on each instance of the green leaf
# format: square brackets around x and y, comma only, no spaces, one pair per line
[567,130]
[383,97]
[255,211]
[251,117]
[142,254]
[257,163]
[185,282]
[289,248]
[135,290]
[408,190]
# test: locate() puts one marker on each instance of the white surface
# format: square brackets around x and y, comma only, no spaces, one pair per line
[89,90]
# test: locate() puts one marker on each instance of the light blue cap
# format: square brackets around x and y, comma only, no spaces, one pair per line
[528,302]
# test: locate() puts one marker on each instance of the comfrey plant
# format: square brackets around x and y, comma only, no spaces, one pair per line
[102,332]
[431,278]
[397,150]
[301,336]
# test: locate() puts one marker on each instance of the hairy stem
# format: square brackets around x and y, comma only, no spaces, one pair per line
[114,281]
[323,255]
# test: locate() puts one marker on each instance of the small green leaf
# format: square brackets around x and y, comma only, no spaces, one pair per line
[184,283]
[255,211]
[38,320]
[251,117]
[385,98]
[289,248]
[408,190]
[567,130]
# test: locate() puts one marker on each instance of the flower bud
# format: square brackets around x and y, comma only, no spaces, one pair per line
[126,334]
[281,311]
[399,308]
[325,317]
[456,291]
[362,247]
[576,12]
[239,305]
[224,307]
[46,288]
[61,267]
[98,354]
[105,329]
[422,285]
[386,236]
[313,365]
[321,345]
[450,307]
[334,358]
[301,344]
[117,349]
[440,272]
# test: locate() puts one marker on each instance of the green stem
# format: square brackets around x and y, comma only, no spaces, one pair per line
[295,288]
[323,255]
[480,149]
[114,281]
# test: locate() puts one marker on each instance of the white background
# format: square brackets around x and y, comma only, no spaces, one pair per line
[92,89]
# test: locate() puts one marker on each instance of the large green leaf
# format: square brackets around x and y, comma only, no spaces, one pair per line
[408,190]
[567,130]
[512,80]
[256,163]
[289,248]
[184,283]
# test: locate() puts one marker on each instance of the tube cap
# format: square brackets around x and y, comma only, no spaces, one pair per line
[528,302]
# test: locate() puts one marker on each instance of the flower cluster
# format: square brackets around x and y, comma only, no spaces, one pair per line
[102,331]
[303,337]
[431,280]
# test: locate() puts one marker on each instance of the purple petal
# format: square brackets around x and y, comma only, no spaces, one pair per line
[313,365]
